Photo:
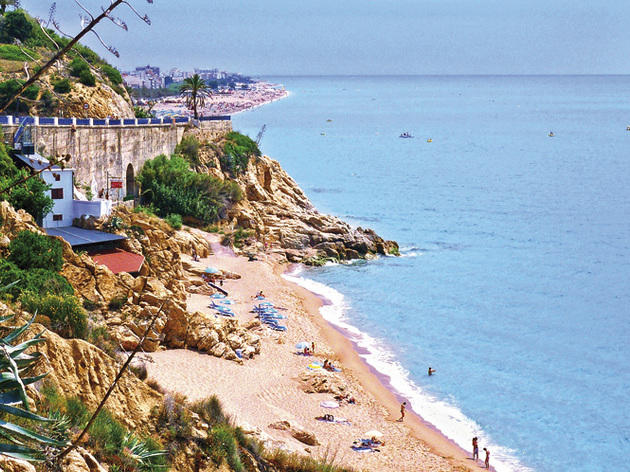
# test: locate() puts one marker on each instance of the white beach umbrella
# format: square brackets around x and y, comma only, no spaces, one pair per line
[373,434]
[302,345]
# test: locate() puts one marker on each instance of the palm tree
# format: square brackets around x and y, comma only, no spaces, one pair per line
[195,90]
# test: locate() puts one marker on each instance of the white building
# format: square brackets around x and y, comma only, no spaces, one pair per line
[61,181]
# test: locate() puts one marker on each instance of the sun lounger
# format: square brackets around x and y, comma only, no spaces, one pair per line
[217,295]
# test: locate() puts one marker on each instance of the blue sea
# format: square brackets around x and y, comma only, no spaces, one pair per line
[514,278]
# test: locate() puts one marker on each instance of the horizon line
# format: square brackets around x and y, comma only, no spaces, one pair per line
[440,75]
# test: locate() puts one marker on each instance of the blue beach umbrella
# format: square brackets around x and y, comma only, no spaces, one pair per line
[211,270]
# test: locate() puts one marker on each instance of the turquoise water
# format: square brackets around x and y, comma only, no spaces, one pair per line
[515,271]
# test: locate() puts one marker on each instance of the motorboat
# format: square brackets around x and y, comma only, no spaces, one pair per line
[405,135]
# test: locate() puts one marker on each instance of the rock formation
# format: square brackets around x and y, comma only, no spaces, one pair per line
[278,212]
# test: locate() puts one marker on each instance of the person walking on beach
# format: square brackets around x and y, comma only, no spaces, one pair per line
[475,445]
[487,458]
[403,405]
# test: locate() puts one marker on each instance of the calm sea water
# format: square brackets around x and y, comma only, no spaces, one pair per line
[514,280]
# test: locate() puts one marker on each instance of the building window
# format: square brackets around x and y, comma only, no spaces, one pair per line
[56,193]
[57,177]
[57,217]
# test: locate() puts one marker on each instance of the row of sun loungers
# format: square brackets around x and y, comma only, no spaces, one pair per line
[269,315]
[221,304]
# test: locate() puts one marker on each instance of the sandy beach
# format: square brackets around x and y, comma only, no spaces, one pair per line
[224,103]
[270,388]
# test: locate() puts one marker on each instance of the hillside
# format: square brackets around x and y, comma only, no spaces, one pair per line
[82,84]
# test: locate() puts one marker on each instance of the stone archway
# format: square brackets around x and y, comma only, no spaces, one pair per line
[131,182]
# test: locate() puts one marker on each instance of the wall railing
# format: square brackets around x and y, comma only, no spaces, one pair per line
[10,120]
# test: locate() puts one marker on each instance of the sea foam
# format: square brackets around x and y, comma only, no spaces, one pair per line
[446,418]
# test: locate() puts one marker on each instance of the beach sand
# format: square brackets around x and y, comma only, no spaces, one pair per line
[269,388]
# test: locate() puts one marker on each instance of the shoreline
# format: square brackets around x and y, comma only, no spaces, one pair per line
[274,386]
[378,384]
[231,103]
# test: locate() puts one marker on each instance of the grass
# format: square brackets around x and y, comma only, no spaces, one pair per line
[107,438]
[10,52]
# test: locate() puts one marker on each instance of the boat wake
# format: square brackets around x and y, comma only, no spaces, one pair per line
[445,417]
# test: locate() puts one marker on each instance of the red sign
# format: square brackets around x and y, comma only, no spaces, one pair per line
[116,184]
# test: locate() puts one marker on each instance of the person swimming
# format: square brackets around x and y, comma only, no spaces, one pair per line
[431,371]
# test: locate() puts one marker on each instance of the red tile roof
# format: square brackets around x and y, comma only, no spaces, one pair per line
[118,260]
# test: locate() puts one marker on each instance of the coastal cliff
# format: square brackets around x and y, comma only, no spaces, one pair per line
[277,213]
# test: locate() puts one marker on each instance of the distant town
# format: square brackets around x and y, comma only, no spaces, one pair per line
[156,93]
[150,82]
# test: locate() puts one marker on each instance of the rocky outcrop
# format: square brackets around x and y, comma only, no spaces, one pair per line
[297,432]
[278,213]
[76,366]
[7,464]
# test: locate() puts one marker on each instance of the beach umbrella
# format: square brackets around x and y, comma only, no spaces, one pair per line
[211,270]
[329,404]
[373,434]
[314,366]
[302,345]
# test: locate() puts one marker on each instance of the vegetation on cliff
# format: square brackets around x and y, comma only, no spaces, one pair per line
[54,92]
[29,195]
[173,188]
[17,440]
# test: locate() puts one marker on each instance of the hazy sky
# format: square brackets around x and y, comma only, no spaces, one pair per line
[368,36]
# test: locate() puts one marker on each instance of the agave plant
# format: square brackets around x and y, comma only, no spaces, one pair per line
[142,453]
[15,440]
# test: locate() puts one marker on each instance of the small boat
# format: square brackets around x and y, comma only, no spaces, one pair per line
[429,140]
[627,128]
[551,134]
[405,135]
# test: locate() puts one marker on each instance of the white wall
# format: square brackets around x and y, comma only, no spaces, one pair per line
[62,206]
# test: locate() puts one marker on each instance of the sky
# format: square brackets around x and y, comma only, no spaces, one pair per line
[364,37]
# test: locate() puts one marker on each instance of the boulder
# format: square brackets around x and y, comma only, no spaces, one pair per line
[8,464]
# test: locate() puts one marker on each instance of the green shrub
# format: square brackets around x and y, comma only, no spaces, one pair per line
[16,25]
[77,66]
[117,303]
[188,148]
[100,337]
[29,250]
[41,281]
[62,86]
[174,418]
[140,371]
[77,411]
[174,220]
[172,187]
[106,434]
[140,112]
[112,74]
[10,87]
[67,317]
[210,410]
[146,209]
[236,152]
[89,305]
[86,78]
[222,446]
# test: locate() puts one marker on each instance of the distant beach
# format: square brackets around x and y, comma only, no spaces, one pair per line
[224,102]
